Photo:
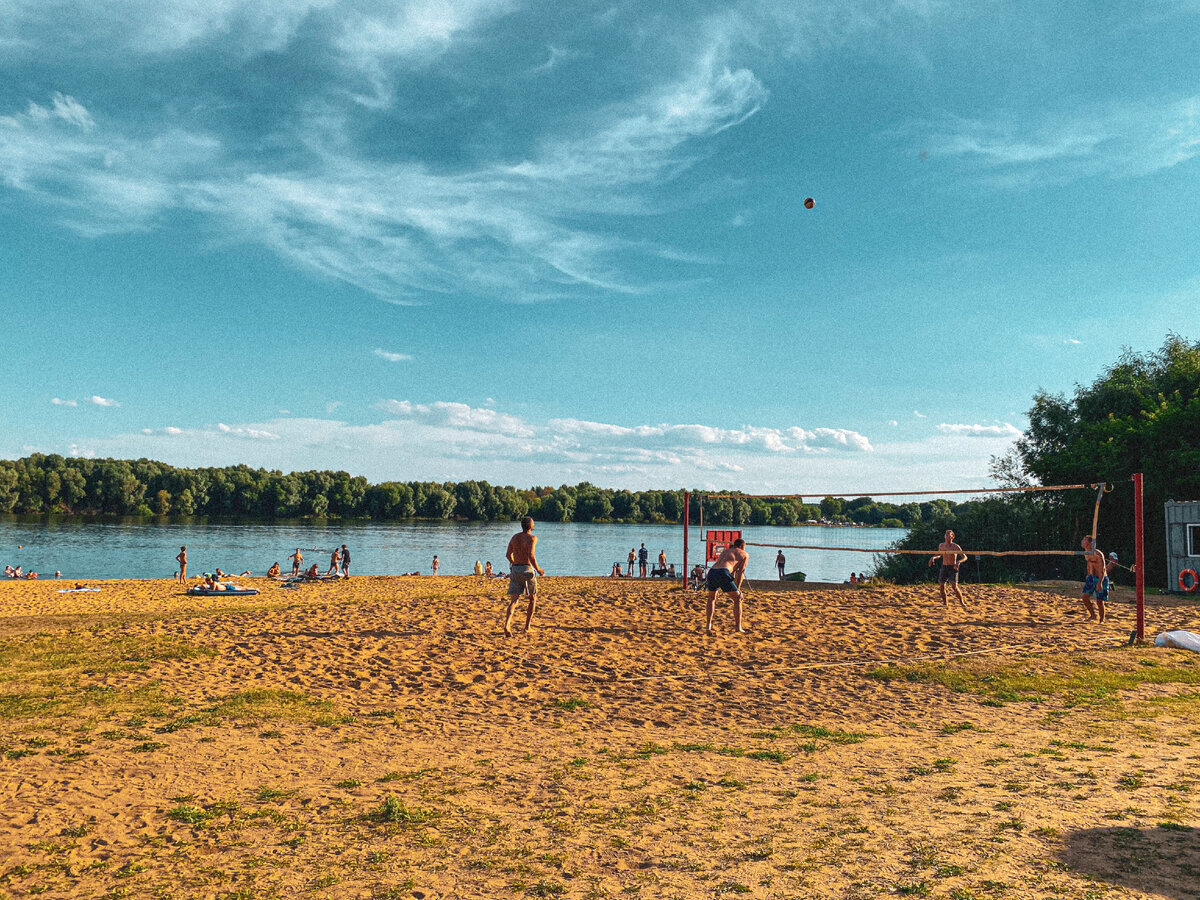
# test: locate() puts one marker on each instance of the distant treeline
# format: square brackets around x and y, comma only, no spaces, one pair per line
[73,486]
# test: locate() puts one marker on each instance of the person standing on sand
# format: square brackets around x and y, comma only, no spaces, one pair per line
[435,564]
[780,563]
[632,560]
[334,560]
[643,560]
[726,576]
[345,562]
[181,558]
[662,562]
[952,557]
[1096,583]
[297,558]
[521,578]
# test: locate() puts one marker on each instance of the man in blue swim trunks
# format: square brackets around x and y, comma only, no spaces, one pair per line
[726,576]
[1095,584]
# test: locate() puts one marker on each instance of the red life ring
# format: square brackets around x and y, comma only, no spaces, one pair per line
[1183,579]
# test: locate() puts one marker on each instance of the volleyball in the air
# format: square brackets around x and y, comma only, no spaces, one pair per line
[808,203]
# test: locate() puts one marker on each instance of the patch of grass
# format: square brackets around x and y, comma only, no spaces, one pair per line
[768,755]
[393,811]
[266,794]
[147,747]
[1056,675]
[1132,781]
[571,703]
[912,888]
[349,783]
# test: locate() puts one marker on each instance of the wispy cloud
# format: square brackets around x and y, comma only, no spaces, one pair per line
[102,401]
[58,401]
[392,357]
[1004,430]
[1115,141]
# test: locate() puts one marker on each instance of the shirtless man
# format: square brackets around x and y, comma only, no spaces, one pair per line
[181,558]
[951,556]
[632,560]
[1096,583]
[726,576]
[297,558]
[521,579]
[334,559]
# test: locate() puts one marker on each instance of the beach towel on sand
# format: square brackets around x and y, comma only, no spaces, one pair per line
[1183,640]
[79,591]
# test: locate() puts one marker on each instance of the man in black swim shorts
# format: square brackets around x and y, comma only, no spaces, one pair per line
[951,556]
[726,576]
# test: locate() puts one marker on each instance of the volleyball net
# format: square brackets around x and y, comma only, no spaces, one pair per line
[1009,534]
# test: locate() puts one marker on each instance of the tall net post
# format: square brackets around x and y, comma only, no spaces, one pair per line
[1139,575]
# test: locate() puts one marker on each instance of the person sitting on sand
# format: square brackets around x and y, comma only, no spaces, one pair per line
[487,570]
[616,571]
[671,570]
[726,576]
[273,572]
[17,572]
[952,557]
[478,570]
[311,571]
[10,572]
[854,578]
[218,575]
[523,564]
[297,558]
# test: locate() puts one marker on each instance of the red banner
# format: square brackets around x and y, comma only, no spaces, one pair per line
[716,542]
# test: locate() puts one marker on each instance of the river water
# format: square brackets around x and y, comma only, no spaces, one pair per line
[146,548]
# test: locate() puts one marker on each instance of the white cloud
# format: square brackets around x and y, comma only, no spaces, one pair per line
[1072,341]
[391,357]
[1004,431]
[920,415]
[58,401]
[172,430]
[1115,141]
[332,405]
[893,422]
[102,401]
[257,434]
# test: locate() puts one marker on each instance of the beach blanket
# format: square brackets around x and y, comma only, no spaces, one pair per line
[227,592]
[1183,640]
[79,591]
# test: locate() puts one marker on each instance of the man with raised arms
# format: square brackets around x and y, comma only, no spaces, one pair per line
[726,576]
[1096,583]
[952,556]
[523,572]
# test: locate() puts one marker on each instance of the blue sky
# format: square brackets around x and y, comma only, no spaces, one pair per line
[543,242]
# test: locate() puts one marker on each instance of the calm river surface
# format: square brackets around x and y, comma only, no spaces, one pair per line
[146,548]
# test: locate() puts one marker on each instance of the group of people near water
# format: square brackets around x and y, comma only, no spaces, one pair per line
[641,556]
[339,566]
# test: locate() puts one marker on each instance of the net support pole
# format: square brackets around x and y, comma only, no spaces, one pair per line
[1139,558]
[687,527]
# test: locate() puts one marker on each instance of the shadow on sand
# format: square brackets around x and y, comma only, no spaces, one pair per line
[1162,859]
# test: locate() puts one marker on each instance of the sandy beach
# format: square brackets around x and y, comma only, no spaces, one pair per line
[380,738]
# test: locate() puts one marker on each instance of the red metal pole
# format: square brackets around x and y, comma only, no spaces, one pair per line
[687,515]
[1139,558]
